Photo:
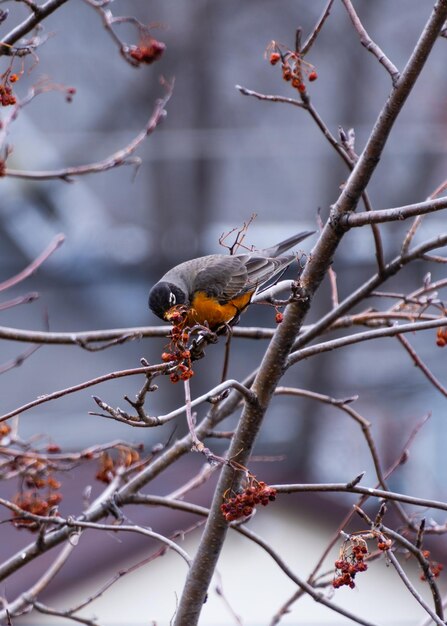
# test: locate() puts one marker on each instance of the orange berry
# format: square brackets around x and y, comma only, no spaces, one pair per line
[54,499]
[274,58]
[313,76]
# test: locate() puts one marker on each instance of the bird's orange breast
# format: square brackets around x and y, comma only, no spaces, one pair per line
[207,309]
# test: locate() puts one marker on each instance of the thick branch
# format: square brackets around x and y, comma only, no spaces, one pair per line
[277,353]
[31,22]
[395,214]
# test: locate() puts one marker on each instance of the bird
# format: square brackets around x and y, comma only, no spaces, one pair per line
[215,289]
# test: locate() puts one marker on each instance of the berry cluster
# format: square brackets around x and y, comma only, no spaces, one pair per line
[7,98]
[109,465]
[294,68]
[350,563]
[147,51]
[33,501]
[435,567]
[243,503]
[441,337]
[178,350]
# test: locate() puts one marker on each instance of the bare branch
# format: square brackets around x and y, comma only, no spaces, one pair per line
[421,365]
[154,369]
[117,159]
[37,16]
[114,335]
[369,44]
[34,265]
[367,491]
[29,596]
[132,529]
[352,220]
[46,610]
[334,344]
[261,96]
[316,31]
[216,392]
[411,588]
[302,584]
[277,353]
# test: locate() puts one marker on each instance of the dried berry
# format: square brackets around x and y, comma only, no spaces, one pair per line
[243,503]
[441,337]
[148,50]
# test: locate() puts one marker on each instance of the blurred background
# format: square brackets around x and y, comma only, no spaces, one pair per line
[218,158]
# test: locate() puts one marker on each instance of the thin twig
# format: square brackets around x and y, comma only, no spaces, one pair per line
[369,44]
[302,584]
[334,344]
[34,265]
[47,610]
[89,383]
[27,597]
[421,365]
[270,98]
[411,588]
[316,31]
[368,491]
[117,159]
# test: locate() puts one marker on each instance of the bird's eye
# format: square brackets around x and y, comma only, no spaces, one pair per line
[172,299]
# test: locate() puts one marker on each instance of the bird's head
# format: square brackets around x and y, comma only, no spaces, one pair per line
[163,296]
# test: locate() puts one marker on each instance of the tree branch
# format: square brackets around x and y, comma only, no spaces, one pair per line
[352,220]
[275,359]
[119,158]
[369,44]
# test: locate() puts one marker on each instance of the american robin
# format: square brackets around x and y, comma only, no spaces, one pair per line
[215,289]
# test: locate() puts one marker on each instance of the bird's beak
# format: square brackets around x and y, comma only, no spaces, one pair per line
[177,314]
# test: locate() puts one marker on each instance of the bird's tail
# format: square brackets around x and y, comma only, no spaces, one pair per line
[285,245]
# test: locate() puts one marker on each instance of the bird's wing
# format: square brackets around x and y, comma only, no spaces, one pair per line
[223,277]
[261,269]
[227,277]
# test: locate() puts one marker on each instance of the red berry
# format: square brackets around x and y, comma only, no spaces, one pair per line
[279,317]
